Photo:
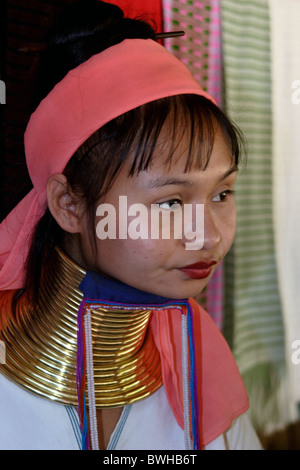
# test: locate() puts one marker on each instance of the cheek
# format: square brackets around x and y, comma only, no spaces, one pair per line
[124,255]
[229,228]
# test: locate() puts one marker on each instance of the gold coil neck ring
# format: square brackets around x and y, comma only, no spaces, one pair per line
[41,342]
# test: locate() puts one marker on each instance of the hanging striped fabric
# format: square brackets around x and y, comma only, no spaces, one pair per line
[285,41]
[193,17]
[215,75]
[253,316]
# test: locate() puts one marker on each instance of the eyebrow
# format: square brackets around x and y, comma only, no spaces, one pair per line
[231,170]
[166,181]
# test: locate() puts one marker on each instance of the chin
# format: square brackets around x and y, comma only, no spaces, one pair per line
[183,293]
[191,291]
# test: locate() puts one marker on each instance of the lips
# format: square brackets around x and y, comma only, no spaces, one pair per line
[199,270]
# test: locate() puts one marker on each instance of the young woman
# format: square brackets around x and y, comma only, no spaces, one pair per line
[97,315]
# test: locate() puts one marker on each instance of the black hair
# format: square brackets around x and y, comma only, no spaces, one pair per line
[85,29]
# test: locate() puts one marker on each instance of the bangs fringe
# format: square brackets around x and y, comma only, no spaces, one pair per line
[138,134]
[180,116]
[170,120]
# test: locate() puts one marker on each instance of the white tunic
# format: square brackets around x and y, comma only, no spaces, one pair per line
[29,422]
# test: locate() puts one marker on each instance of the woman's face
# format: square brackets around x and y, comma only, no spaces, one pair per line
[164,266]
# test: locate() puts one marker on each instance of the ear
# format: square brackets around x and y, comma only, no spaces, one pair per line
[63,205]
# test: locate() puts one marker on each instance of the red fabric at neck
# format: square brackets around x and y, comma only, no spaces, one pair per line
[222,395]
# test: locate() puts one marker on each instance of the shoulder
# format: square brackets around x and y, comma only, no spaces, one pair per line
[240,436]
[30,422]
[220,382]
[210,341]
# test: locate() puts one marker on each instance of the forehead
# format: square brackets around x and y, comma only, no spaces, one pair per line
[214,155]
[186,142]
[163,171]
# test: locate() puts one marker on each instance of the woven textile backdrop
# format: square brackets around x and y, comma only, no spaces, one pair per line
[253,322]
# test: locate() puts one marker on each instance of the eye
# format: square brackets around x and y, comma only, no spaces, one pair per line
[171,204]
[223,196]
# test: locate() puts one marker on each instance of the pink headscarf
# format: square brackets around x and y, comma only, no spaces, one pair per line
[121,78]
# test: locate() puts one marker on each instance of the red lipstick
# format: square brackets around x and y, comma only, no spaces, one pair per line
[199,270]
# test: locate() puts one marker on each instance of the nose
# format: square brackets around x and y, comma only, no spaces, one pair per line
[200,228]
[212,234]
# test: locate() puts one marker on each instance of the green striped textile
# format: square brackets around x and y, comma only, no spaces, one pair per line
[253,323]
